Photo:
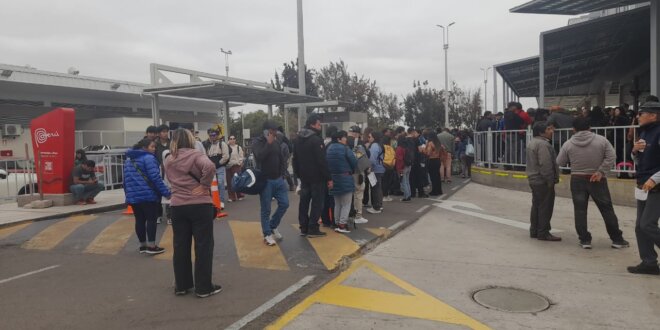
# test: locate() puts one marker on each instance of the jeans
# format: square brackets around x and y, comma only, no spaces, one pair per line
[221,173]
[343,207]
[145,221]
[405,182]
[279,190]
[314,193]
[543,204]
[377,192]
[581,189]
[188,222]
[434,173]
[647,230]
[83,192]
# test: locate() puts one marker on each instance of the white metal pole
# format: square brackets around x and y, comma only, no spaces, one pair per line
[302,110]
[495,105]
[655,47]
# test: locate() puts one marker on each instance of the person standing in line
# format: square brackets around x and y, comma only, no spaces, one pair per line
[190,173]
[647,155]
[143,187]
[389,160]
[543,175]
[151,133]
[435,153]
[271,156]
[367,189]
[404,158]
[310,165]
[447,141]
[376,153]
[591,157]
[218,152]
[417,172]
[341,164]
[236,159]
[355,144]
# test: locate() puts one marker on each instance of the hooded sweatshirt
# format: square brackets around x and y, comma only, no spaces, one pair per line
[187,171]
[309,161]
[587,153]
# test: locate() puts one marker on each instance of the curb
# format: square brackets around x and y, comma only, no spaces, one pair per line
[101,209]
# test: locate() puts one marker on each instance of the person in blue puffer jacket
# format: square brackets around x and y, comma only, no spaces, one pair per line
[144,188]
[342,163]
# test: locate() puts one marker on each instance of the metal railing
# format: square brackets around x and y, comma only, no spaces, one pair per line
[109,169]
[17,177]
[507,149]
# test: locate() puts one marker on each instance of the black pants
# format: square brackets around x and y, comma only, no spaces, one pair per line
[328,214]
[581,189]
[377,192]
[417,180]
[145,221]
[196,221]
[388,180]
[646,228]
[313,193]
[434,173]
[543,204]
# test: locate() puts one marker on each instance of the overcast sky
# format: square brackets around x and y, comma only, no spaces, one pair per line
[391,41]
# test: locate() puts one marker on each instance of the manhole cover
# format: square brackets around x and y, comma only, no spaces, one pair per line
[511,300]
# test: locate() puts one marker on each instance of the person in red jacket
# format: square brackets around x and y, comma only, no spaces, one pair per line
[403,166]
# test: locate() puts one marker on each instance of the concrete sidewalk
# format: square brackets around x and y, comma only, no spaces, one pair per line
[108,200]
[425,277]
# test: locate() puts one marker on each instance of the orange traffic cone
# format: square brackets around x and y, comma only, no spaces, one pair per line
[129,210]
[216,199]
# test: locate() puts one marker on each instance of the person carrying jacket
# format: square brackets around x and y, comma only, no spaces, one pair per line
[376,155]
[310,165]
[342,163]
[218,152]
[591,157]
[543,175]
[144,187]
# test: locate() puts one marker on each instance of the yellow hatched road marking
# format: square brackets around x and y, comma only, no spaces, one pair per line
[384,232]
[416,304]
[113,238]
[167,242]
[6,231]
[56,233]
[332,247]
[251,250]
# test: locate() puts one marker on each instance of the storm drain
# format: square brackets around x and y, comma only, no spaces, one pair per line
[511,300]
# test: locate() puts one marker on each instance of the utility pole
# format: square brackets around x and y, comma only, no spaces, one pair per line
[226,113]
[486,87]
[302,89]
[445,42]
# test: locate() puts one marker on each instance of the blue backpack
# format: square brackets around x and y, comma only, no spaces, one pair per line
[250,180]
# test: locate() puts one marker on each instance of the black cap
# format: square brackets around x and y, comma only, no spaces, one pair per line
[355,129]
[650,107]
[269,124]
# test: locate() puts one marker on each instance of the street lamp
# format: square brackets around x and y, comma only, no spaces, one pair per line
[445,41]
[242,128]
[227,53]
[486,87]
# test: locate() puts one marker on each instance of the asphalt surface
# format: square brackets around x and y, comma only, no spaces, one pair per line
[84,271]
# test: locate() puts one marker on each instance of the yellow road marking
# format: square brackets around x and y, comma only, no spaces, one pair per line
[113,238]
[486,172]
[384,232]
[501,174]
[6,231]
[56,233]
[332,247]
[416,304]
[252,252]
[167,242]
[519,176]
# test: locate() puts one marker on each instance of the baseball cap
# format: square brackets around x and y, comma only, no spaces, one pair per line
[650,107]
[355,129]
[269,124]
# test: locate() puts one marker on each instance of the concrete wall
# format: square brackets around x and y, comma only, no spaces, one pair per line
[17,144]
[622,191]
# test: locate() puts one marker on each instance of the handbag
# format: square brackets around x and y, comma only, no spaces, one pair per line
[469,149]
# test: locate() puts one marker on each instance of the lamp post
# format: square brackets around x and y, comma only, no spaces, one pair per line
[445,42]
[227,53]
[226,112]
[242,128]
[302,89]
[486,87]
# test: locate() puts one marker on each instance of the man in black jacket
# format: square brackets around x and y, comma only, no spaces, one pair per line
[271,156]
[310,166]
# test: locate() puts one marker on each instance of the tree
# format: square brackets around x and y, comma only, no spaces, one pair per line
[336,83]
[424,107]
[387,112]
[254,121]
[289,78]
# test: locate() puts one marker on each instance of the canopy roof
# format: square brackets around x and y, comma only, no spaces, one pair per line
[571,7]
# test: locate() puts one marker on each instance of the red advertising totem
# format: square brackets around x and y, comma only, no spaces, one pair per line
[54,139]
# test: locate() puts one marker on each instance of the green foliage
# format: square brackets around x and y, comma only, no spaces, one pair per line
[424,107]
[337,83]
[254,121]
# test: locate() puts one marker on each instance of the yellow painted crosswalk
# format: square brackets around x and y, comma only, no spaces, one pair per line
[252,252]
[332,248]
[56,233]
[113,238]
[6,231]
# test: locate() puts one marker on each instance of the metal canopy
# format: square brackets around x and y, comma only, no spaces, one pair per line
[231,91]
[580,58]
[571,7]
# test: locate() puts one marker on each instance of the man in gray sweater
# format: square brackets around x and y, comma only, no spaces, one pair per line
[543,174]
[591,157]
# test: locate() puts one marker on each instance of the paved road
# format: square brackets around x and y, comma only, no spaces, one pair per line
[84,271]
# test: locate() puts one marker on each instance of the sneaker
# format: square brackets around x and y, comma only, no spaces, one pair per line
[315,233]
[169,221]
[230,200]
[644,269]
[277,235]
[406,200]
[158,220]
[303,231]
[241,198]
[373,211]
[155,250]
[269,240]
[622,244]
[143,249]
[549,238]
[90,201]
[585,245]
[216,289]
[360,220]
[424,196]
[183,292]
[387,199]
[342,229]
[81,202]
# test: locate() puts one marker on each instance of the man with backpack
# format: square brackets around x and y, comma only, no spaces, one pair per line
[218,152]
[389,161]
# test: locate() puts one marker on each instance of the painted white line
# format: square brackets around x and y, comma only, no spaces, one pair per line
[455,188]
[270,303]
[421,209]
[397,225]
[492,218]
[28,274]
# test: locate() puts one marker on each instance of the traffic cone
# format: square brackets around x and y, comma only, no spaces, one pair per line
[129,210]
[216,199]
